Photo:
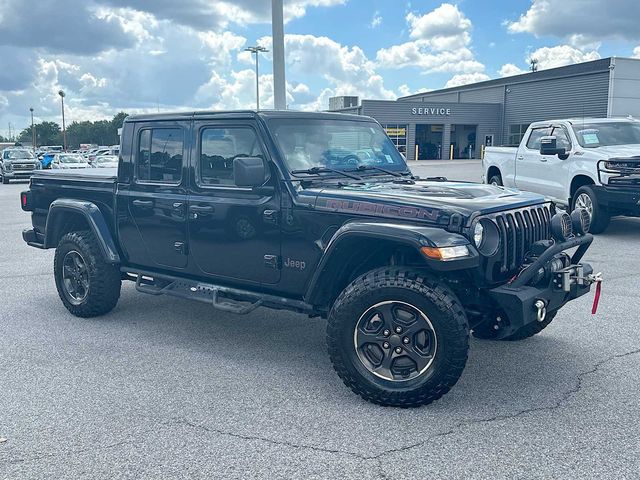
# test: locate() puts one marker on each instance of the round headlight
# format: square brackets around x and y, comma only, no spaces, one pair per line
[581,221]
[561,228]
[486,237]
[478,234]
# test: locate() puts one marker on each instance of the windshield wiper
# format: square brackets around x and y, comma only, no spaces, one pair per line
[316,170]
[362,168]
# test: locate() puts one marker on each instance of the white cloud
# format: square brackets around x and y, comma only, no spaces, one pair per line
[376,21]
[560,55]
[636,52]
[346,69]
[466,78]
[441,44]
[509,70]
[580,21]
[446,27]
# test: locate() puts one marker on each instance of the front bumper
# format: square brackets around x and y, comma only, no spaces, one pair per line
[17,174]
[517,300]
[619,199]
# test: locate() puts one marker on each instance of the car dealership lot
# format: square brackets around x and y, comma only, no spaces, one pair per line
[169,387]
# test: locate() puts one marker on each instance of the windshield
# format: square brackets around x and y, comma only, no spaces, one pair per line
[17,154]
[336,144]
[592,135]
[73,158]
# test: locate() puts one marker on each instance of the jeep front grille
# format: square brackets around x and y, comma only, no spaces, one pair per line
[519,229]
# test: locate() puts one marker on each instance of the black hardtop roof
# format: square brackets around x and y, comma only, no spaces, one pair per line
[245,114]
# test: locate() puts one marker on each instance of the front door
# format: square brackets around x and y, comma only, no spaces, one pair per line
[234,232]
[532,173]
[157,197]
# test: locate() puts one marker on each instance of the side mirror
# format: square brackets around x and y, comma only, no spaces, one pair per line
[249,171]
[549,146]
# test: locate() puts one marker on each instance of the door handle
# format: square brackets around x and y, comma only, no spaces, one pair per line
[543,159]
[143,203]
[201,209]
[520,157]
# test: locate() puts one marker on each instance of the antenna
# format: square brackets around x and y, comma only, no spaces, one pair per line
[533,62]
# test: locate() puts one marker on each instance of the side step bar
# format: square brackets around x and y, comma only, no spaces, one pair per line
[222,298]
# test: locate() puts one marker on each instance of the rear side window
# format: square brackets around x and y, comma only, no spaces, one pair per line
[160,153]
[536,135]
[219,147]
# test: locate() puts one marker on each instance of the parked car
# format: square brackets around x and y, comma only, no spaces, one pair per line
[590,163]
[105,161]
[402,267]
[17,163]
[68,161]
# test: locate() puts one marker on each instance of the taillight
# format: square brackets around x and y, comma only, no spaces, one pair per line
[25,201]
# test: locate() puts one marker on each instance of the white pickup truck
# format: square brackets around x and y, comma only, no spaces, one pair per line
[592,163]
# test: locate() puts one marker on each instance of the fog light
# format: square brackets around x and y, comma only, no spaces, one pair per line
[581,221]
[561,227]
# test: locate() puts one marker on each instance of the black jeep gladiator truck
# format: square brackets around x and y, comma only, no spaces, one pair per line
[316,213]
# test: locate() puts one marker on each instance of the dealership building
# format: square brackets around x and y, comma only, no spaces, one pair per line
[456,122]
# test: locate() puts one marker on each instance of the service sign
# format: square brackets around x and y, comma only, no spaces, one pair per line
[436,111]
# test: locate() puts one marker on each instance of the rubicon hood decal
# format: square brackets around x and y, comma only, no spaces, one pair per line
[370,208]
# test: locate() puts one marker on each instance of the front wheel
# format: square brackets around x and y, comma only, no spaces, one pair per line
[5,180]
[585,197]
[397,338]
[87,285]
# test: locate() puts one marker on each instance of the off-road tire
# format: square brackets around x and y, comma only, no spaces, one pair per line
[600,217]
[104,278]
[495,180]
[486,331]
[435,300]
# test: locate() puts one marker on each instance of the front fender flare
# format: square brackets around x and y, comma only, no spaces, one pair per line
[415,236]
[94,218]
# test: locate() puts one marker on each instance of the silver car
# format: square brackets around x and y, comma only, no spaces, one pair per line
[68,161]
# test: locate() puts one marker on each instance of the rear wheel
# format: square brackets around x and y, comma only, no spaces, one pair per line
[495,180]
[585,198]
[87,285]
[397,338]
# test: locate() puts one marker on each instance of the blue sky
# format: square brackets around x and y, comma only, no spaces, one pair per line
[141,55]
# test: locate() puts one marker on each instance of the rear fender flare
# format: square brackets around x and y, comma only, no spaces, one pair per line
[94,218]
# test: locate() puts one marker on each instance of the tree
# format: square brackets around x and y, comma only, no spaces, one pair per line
[48,133]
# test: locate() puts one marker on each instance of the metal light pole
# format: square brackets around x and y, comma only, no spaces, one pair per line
[33,131]
[64,130]
[256,51]
[277,34]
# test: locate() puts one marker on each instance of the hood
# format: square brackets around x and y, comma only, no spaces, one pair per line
[615,151]
[423,200]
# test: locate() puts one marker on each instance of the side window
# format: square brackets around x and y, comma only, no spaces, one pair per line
[562,139]
[219,147]
[536,135]
[160,152]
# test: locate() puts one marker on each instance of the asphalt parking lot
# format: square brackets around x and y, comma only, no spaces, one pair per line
[163,387]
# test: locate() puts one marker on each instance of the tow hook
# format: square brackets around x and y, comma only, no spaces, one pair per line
[542,310]
[597,279]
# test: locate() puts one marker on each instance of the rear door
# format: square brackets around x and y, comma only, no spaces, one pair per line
[234,232]
[157,196]
[532,173]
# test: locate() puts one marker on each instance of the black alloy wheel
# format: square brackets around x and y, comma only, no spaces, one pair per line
[395,341]
[75,277]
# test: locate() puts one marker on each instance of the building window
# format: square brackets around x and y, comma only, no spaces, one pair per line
[516,133]
[398,135]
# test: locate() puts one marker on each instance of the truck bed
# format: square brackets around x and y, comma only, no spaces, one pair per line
[97,185]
